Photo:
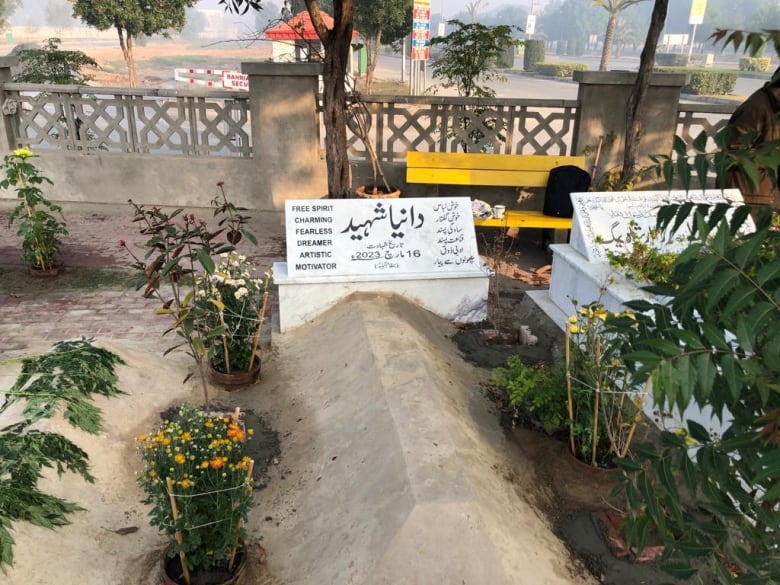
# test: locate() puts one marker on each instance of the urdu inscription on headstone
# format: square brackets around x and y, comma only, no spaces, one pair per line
[380,237]
[601,220]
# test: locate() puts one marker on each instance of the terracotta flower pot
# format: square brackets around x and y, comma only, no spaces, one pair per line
[171,572]
[366,192]
[235,378]
[44,273]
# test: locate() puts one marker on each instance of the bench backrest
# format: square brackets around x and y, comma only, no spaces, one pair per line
[495,170]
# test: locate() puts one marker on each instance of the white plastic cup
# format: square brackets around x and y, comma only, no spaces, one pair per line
[498,211]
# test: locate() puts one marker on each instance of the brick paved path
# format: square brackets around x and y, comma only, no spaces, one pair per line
[38,318]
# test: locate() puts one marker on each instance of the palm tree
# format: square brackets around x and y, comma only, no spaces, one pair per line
[613,7]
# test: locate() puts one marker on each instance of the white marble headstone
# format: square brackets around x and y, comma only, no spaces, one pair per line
[380,237]
[601,220]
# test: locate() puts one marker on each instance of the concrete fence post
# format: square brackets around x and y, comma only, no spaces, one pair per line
[7,141]
[286,130]
[603,103]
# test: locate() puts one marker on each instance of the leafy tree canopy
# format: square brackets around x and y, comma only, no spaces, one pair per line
[7,8]
[136,17]
[53,65]
[466,56]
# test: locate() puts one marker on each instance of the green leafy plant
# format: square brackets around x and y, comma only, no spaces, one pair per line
[197,476]
[705,81]
[536,392]
[236,306]
[604,406]
[38,227]
[179,253]
[63,380]
[534,54]
[642,256]
[713,499]
[54,65]
[559,69]
[464,63]
[707,165]
[760,64]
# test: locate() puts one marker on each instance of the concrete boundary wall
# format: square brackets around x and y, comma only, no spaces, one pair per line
[287,159]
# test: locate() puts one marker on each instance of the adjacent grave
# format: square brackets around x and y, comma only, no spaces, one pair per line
[422,248]
[581,271]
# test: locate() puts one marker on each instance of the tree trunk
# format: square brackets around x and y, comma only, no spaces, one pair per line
[372,48]
[127,53]
[336,42]
[609,38]
[637,99]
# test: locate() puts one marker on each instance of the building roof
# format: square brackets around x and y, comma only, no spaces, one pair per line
[299,27]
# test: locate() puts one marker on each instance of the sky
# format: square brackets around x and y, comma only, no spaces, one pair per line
[34,9]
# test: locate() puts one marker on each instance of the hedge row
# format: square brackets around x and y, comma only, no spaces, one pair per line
[671,59]
[559,69]
[534,53]
[761,64]
[705,81]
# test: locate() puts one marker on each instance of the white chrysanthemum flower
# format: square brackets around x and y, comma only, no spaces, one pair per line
[241,292]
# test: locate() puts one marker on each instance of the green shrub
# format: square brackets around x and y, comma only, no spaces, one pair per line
[705,81]
[560,69]
[761,64]
[537,393]
[534,53]
[671,60]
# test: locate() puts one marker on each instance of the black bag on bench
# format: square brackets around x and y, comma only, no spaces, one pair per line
[564,181]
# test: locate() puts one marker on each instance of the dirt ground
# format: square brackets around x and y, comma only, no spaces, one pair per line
[153,60]
[568,492]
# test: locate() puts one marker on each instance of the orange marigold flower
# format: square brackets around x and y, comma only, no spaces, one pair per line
[185,483]
[235,432]
[180,458]
[216,463]
[186,436]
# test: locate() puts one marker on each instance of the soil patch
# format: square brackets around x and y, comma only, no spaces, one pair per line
[573,493]
[17,280]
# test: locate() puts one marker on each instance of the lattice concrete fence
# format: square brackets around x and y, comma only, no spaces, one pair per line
[173,146]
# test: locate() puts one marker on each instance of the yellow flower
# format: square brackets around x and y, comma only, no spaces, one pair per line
[601,313]
[23,152]
[180,459]
[574,329]
[204,465]
[185,483]
[573,319]
[186,436]
[142,438]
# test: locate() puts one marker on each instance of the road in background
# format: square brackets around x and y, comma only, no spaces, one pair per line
[520,84]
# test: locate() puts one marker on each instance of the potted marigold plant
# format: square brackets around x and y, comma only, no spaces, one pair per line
[39,226]
[604,405]
[197,476]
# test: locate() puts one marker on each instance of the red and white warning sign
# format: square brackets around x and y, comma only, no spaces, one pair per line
[235,81]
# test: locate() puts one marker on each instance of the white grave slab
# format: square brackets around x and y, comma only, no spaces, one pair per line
[422,248]
[606,216]
[357,237]
[581,270]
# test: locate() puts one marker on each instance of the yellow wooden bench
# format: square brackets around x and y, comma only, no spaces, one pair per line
[493,170]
